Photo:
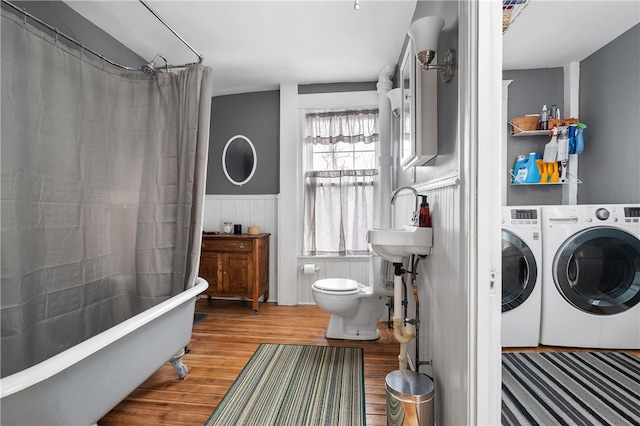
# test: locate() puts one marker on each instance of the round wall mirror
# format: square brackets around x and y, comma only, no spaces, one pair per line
[239,160]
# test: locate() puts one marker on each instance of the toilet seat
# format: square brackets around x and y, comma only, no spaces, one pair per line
[337,286]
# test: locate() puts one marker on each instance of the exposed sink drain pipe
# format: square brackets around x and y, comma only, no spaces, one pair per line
[416,321]
[403,330]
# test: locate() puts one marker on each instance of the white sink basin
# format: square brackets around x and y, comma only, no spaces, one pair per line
[396,244]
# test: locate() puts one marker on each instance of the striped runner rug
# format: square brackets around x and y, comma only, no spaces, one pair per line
[570,388]
[296,385]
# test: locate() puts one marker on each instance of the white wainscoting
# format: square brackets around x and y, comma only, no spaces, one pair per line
[355,268]
[444,339]
[446,297]
[443,296]
[247,210]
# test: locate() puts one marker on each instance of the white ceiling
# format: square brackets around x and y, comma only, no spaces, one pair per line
[257,45]
[553,33]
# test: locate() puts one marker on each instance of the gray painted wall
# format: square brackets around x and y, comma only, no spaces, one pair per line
[610,106]
[257,116]
[609,103]
[68,21]
[530,90]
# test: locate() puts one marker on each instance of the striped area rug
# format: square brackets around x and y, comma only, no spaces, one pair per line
[570,388]
[296,385]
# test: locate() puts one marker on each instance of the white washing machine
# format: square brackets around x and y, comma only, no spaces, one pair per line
[591,279]
[521,276]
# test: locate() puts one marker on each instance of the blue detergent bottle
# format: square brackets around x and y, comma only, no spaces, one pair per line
[533,174]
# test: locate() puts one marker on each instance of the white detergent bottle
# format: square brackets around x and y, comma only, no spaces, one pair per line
[563,144]
[518,175]
[551,148]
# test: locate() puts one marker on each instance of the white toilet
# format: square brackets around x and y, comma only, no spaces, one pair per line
[355,308]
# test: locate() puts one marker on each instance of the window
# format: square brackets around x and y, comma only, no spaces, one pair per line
[343,156]
[339,182]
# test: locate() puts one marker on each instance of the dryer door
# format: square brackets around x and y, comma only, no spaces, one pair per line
[519,271]
[597,270]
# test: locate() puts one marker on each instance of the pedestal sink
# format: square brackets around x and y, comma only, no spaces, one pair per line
[396,244]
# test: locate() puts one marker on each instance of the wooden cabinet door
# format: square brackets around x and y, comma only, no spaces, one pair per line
[211,270]
[235,276]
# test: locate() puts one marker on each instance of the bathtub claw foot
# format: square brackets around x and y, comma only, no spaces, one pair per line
[180,369]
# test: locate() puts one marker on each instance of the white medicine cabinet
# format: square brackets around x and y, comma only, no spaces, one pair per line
[419,112]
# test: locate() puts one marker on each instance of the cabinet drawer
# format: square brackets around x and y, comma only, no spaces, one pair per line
[227,245]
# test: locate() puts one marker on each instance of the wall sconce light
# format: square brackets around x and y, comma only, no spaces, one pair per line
[395,96]
[424,33]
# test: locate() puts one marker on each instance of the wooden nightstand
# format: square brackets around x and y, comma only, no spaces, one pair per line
[236,266]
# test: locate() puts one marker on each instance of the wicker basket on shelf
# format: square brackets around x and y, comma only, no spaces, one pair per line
[524,124]
[562,122]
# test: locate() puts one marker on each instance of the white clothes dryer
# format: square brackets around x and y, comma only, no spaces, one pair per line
[591,280]
[521,276]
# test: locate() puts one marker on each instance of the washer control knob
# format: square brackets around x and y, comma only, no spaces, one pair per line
[589,220]
[602,214]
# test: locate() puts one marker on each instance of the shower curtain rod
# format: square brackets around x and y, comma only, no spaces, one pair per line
[102,57]
[200,58]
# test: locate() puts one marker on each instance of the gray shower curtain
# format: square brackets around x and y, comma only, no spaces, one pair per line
[102,192]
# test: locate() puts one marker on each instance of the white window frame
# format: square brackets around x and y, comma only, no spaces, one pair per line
[352,155]
[324,101]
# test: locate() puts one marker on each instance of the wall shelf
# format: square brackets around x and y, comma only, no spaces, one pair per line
[527,132]
[530,133]
[512,178]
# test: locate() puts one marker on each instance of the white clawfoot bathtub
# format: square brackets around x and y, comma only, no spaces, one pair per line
[82,384]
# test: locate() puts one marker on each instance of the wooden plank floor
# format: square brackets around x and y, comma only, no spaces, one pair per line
[220,347]
[223,343]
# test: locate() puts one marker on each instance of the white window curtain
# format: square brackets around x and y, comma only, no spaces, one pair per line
[345,126]
[339,203]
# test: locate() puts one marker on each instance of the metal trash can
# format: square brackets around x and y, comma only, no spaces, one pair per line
[409,398]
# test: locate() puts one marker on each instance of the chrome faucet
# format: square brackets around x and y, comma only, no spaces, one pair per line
[414,216]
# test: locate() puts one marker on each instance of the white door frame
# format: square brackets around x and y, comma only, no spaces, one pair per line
[481,117]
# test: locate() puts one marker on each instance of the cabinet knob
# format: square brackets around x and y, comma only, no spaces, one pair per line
[204,245]
[224,272]
[242,246]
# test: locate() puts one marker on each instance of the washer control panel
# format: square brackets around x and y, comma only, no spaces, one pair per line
[612,214]
[523,217]
[632,214]
[596,214]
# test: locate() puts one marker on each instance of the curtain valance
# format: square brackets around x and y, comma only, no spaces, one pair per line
[341,173]
[327,128]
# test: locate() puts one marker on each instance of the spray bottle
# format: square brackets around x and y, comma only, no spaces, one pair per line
[563,152]
[424,220]
[579,138]
[572,139]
